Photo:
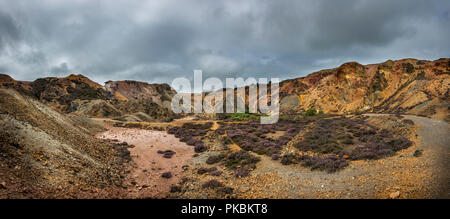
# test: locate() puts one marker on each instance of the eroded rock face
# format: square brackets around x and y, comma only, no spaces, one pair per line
[350,69]
[60,92]
[135,90]
[406,86]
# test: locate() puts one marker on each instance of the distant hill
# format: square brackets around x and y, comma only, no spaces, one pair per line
[409,86]
[77,94]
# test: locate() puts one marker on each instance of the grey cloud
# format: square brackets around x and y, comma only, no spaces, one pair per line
[9,31]
[156,41]
[60,70]
[361,23]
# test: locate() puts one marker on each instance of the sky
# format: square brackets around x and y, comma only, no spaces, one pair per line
[157,41]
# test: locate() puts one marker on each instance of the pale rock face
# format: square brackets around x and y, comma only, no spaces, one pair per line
[126,90]
[405,86]
[394,195]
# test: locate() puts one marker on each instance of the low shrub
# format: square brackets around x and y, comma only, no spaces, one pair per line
[252,136]
[289,159]
[408,68]
[226,190]
[244,116]
[408,122]
[418,153]
[212,184]
[240,159]
[167,153]
[242,172]
[333,136]
[215,158]
[226,140]
[194,126]
[166,175]
[203,170]
[328,135]
[188,133]
[200,148]
[275,156]
[185,180]
[310,112]
[347,140]
[191,141]
[167,156]
[199,144]
[379,147]
[216,173]
[174,188]
[330,163]
[173,130]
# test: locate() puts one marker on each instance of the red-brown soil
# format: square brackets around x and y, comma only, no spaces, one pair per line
[144,180]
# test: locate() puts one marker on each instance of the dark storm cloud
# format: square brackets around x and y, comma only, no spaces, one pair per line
[8,29]
[156,41]
[60,70]
[372,23]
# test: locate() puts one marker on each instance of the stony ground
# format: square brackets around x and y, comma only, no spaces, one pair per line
[401,176]
[145,178]
[420,171]
[45,154]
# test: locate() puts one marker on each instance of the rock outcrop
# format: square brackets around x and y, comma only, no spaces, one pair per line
[78,95]
[129,90]
[404,86]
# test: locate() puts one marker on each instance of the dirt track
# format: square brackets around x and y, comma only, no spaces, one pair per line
[435,138]
[435,133]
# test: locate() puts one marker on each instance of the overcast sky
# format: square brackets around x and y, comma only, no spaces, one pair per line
[155,41]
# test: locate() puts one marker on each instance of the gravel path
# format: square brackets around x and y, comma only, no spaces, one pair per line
[434,132]
[435,138]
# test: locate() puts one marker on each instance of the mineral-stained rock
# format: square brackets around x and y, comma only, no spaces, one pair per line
[394,195]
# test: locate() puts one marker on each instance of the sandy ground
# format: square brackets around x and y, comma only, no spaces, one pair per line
[144,180]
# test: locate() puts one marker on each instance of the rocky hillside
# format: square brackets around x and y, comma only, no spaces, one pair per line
[47,154]
[409,86]
[77,94]
[8,82]
[135,90]
[405,86]
[142,100]
[61,92]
